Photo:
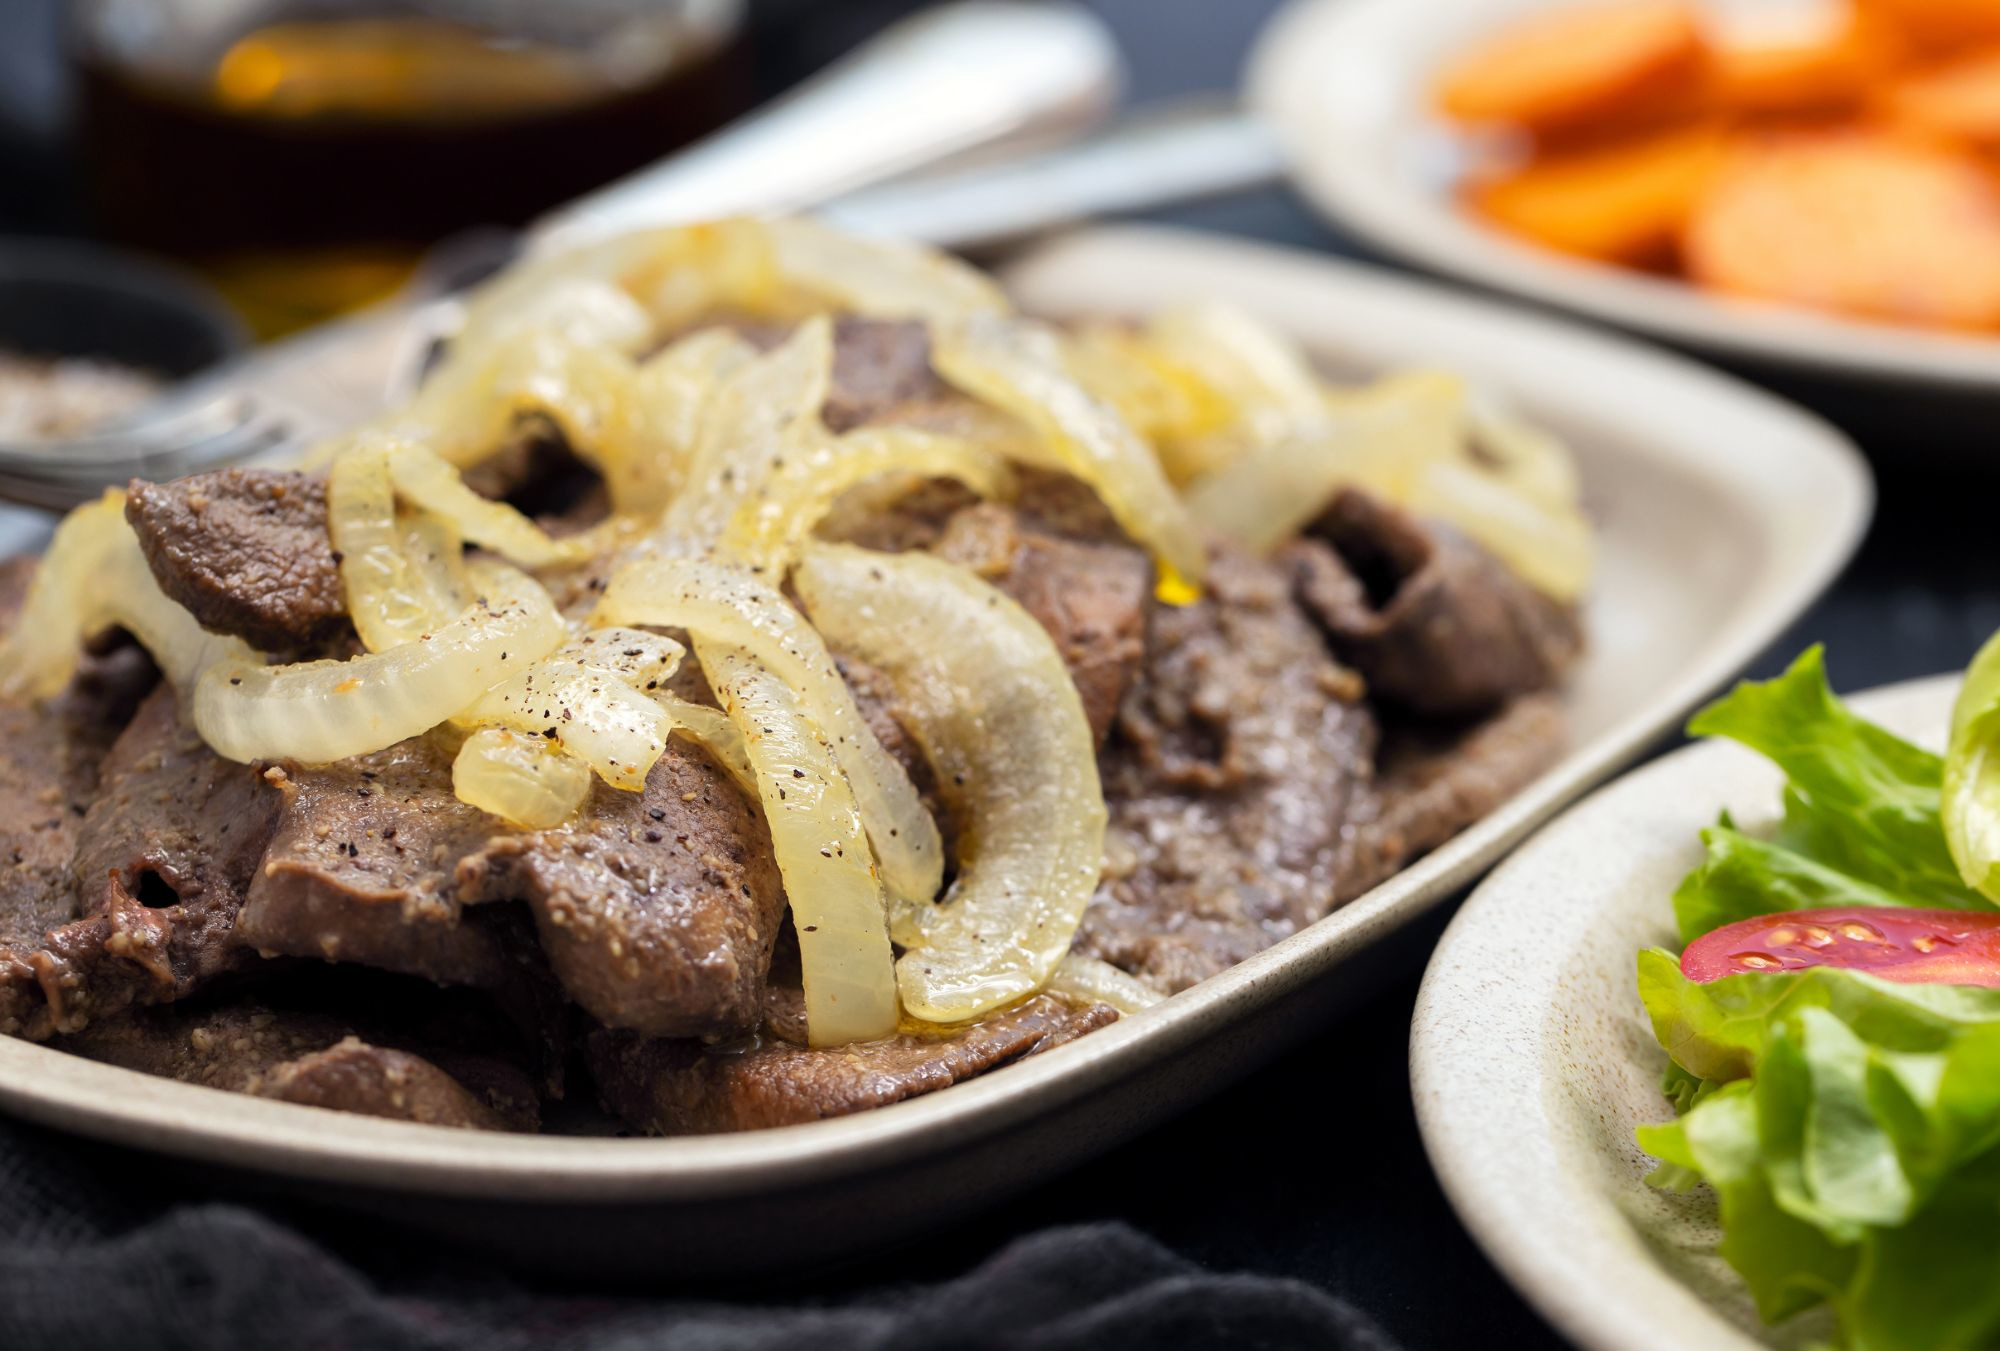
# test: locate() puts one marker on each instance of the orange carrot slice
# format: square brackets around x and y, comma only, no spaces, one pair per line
[1577,67]
[1829,75]
[1621,203]
[1862,222]
[1939,25]
[1959,101]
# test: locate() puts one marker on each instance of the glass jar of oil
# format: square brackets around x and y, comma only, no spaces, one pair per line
[304,153]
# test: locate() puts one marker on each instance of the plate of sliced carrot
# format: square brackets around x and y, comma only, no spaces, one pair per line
[1809,182]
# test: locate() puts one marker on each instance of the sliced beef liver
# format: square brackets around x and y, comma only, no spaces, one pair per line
[1434,780]
[880,368]
[49,762]
[685,1087]
[362,868]
[173,823]
[246,551]
[658,909]
[1092,598]
[163,858]
[356,1076]
[310,1058]
[48,773]
[1436,624]
[1238,762]
[44,791]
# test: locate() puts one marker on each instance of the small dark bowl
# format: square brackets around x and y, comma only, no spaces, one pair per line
[66,299]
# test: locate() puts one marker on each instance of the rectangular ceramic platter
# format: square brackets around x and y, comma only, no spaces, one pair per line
[1723,513]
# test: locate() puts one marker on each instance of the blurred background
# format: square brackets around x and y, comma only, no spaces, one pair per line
[302,154]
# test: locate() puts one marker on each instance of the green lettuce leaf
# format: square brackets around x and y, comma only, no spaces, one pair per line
[1743,877]
[1971,807]
[1849,1126]
[1854,1146]
[1860,799]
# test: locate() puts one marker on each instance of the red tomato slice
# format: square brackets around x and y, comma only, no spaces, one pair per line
[1918,947]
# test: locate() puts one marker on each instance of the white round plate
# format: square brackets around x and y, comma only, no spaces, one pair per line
[1532,1061]
[1346,85]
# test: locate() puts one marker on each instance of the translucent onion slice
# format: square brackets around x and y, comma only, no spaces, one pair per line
[1384,437]
[765,470]
[1086,980]
[93,576]
[320,711]
[727,604]
[643,660]
[65,603]
[1262,381]
[685,273]
[592,310]
[524,780]
[675,274]
[1553,549]
[1261,374]
[555,339]
[816,835]
[431,484]
[991,702]
[713,729]
[1408,438]
[1017,365]
[765,411]
[589,697]
[402,578]
[1532,461]
[780,507]
[885,278]
[1158,397]
[673,394]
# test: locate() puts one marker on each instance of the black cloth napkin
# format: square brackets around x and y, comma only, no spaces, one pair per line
[97,1255]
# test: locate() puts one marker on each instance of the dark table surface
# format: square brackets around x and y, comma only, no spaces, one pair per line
[1311,1167]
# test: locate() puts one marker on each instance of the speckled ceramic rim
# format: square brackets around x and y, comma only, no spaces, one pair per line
[1531,1060]
[1344,83]
[1804,498]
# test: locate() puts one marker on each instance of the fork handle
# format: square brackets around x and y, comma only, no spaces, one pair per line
[962,75]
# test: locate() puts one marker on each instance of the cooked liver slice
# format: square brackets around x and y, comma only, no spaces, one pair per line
[355,1076]
[246,551]
[163,858]
[658,909]
[1092,598]
[362,868]
[173,822]
[1436,624]
[49,761]
[309,1058]
[1433,781]
[44,791]
[1236,763]
[686,1088]
[880,367]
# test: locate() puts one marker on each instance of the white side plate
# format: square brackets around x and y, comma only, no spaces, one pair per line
[1346,85]
[1724,512]
[1532,1060]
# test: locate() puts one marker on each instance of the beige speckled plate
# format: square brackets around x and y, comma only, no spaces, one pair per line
[1345,83]
[1723,511]
[1532,1060]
